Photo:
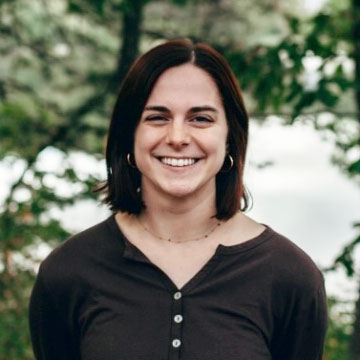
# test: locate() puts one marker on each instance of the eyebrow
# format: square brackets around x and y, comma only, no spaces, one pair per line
[192,110]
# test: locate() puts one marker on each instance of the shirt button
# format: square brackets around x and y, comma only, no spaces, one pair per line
[176,343]
[177,295]
[178,318]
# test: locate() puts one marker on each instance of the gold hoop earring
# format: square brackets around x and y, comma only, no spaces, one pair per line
[128,159]
[231,164]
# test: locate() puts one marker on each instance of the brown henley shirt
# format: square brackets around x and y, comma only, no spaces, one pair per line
[97,297]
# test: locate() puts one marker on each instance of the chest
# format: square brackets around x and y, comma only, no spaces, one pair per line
[180,264]
[215,317]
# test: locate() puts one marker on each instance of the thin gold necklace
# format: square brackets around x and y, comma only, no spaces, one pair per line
[179,242]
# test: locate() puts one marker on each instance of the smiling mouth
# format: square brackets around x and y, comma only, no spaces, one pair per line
[178,162]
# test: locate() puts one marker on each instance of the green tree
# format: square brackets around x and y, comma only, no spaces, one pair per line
[276,76]
[52,90]
[61,66]
[339,329]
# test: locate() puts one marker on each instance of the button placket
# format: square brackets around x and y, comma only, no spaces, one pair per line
[177,318]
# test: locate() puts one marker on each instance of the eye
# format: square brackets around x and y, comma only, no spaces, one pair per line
[156,118]
[202,119]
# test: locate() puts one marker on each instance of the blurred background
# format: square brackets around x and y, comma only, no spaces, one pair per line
[298,63]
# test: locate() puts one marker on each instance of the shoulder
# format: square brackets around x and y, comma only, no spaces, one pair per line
[297,286]
[291,266]
[73,257]
[287,262]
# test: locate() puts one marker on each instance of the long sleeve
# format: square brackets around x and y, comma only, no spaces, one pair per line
[304,336]
[98,297]
[49,335]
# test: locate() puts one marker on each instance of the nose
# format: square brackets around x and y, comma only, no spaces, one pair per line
[178,134]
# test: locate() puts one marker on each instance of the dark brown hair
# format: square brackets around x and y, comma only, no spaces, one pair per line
[123,181]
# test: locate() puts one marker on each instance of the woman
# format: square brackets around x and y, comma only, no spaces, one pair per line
[178,271]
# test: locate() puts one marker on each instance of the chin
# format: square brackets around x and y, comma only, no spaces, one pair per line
[179,193]
[178,190]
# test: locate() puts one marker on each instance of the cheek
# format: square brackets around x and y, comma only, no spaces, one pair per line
[216,143]
[139,148]
[143,140]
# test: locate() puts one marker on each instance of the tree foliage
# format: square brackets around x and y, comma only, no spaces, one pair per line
[339,330]
[61,66]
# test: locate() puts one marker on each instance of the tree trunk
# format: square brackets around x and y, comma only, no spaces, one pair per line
[130,35]
[131,32]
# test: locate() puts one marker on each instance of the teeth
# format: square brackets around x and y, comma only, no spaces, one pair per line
[177,162]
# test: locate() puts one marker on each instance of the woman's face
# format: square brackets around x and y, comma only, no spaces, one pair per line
[180,141]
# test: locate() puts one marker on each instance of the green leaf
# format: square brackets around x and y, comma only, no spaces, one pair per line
[354,168]
[346,257]
[295,91]
[98,5]
[75,8]
[322,21]
[327,97]
[306,100]
[347,261]
[294,24]
[179,2]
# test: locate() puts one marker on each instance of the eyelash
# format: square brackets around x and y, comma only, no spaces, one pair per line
[158,117]
[203,118]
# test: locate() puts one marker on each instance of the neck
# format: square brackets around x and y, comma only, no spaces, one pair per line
[178,218]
